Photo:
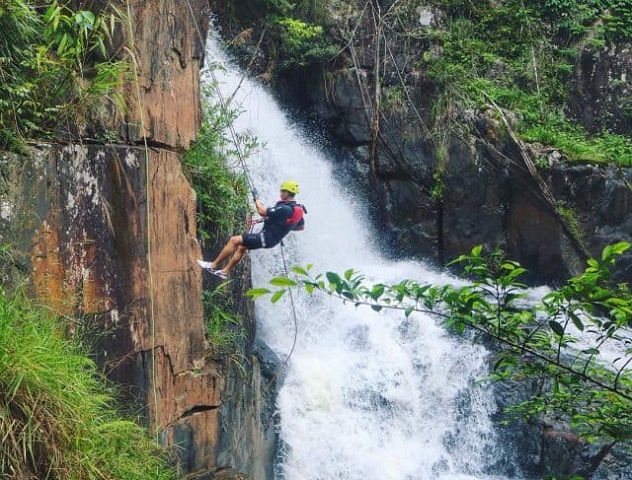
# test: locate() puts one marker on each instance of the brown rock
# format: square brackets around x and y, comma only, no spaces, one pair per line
[167,51]
[90,256]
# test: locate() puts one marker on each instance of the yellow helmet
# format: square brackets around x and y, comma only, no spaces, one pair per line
[290,185]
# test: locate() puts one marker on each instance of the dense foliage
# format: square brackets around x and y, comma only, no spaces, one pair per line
[213,163]
[294,29]
[574,342]
[522,55]
[57,75]
[302,44]
[57,417]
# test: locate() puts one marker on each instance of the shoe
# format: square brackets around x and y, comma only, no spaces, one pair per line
[219,273]
[205,265]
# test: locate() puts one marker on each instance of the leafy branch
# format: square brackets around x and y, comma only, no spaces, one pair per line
[562,339]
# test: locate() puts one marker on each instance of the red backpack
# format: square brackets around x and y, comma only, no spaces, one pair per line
[296,221]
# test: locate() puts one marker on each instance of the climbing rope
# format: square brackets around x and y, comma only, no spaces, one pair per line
[152,320]
[255,195]
[285,269]
[224,106]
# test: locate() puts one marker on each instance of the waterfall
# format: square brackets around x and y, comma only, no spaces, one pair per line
[366,395]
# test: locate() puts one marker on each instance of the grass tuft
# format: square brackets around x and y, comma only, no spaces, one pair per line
[57,414]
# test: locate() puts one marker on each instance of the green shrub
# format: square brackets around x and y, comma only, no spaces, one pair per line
[578,146]
[57,415]
[575,18]
[224,327]
[19,27]
[57,75]
[519,54]
[571,218]
[302,44]
[214,165]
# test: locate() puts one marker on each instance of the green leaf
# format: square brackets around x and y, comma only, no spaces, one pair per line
[512,297]
[377,308]
[621,247]
[459,327]
[557,328]
[333,278]
[409,310]
[283,282]
[62,45]
[101,47]
[576,321]
[459,259]
[300,271]
[257,292]
[85,19]
[376,291]
[591,351]
[421,290]
[277,296]
[617,302]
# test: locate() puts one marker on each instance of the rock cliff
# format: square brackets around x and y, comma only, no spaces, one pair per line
[111,235]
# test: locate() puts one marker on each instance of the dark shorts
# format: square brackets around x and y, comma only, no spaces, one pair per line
[253,241]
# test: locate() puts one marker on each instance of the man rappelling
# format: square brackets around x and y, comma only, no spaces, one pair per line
[285,216]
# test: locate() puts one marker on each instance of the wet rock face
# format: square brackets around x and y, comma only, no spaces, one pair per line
[602,95]
[600,200]
[484,195]
[480,194]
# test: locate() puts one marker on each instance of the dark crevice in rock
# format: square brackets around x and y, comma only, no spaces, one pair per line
[198,409]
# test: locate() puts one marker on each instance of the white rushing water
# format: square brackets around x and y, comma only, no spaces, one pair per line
[366,396]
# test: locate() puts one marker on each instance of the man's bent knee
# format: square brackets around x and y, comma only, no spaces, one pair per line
[236,241]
